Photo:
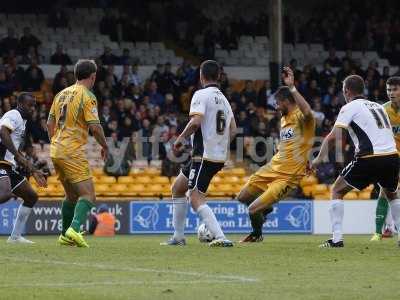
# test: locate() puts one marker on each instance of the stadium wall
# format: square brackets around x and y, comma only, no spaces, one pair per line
[155,217]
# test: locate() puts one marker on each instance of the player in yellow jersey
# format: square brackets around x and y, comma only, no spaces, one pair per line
[282,174]
[392,108]
[72,114]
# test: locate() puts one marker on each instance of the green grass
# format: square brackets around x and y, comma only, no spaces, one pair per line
[136,267]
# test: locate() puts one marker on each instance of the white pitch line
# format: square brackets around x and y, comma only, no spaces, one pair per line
[233,278]
[111,283]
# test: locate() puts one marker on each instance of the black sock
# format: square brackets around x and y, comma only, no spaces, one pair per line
[257,221]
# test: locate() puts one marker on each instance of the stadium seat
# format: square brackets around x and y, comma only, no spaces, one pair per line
[143,179]
[308,180]
[161,180]
[52,179]
[364,195]
[107,179]
[307,190]
[101,189]
[351,196]
[97,172]
[319,189]
[126,179]
[322,196]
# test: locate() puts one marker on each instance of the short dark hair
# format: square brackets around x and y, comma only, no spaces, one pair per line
[394,80]
[84,68]
[354,84]
[284,93]
[210,70]
[23,96]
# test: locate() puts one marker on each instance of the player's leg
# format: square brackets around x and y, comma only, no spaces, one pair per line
[22,189]
[5,185]
[86,199]
[247,195]
[357,174]
[336,211]
[388,180]
[200,176]
[276,191]
[180,205]
[30,197]
[380,215]
[77,174]
[67,212]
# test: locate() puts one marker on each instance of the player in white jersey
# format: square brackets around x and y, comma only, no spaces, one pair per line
[375,160]
[211,127]
[12,133]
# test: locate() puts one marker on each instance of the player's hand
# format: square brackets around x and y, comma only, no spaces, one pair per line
[104,153]
[178,144]
[40,178]
[288,77]
[24,163]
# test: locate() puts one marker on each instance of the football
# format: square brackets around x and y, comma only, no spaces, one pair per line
[204,235]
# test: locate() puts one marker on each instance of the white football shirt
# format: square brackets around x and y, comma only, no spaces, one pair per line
[13,121]
[369,127]
[211,141]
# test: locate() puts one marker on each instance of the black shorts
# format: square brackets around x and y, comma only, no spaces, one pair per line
[185,169]
[382,170]
[201,173]
[15,178]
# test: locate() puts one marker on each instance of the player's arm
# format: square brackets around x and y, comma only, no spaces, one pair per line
[191,127]
[51,122]
[197,111]
[343,120]
[323,152]
[98,133]
[92,119]
[6,140]
[288,79]
[232,129]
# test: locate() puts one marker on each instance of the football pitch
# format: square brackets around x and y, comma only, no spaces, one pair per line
[136,267]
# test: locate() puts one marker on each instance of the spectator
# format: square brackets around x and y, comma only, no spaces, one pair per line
[136,79]
[28,40]
[126,129]
[30,55]
[108,58]
[167,80]
[126,58]
[103,223]
[248,92]
[6,87]
[9,43]
[57,86]
[157,73]
[155,97]
[59,57]
[265,96]
[34,77]
[332,59]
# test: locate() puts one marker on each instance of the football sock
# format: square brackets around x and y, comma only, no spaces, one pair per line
[257,220]
[209,219]
[395,208]
[389,220]
[380,214]
[22,216]
[82,208]
[179,212]
[67,212]
[336,212]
